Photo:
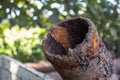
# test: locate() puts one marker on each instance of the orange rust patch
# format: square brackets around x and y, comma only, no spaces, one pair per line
[60,34]
[93,49]
[95,43]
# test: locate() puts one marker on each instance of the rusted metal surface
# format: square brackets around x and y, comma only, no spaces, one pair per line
[77,52]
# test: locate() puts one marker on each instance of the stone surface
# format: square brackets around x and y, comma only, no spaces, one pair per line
[11,69]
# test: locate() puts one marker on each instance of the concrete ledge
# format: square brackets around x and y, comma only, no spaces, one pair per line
[11,69]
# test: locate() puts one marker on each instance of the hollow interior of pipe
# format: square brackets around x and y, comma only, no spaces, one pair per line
[76,28]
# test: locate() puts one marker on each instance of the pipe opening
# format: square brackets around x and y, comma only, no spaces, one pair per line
[77,29]
[66,35]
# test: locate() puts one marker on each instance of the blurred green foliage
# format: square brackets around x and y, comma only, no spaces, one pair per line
[21,43]
[21,37]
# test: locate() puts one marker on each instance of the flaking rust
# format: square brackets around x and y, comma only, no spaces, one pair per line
[77,52]
[60,34]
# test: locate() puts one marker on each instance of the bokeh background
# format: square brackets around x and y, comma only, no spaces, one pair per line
[24,23]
